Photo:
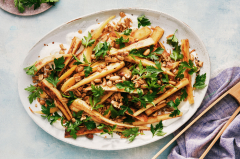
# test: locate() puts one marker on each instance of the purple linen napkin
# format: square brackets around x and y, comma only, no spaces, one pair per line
[198,137]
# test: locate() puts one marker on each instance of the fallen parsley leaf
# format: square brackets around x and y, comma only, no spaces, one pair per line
[175,55]
[158,129]
[142,21]
[121,42]
[114,113]
[35,92]
[86,41]
[30,70]
[127,31]
[200,81]
[183,95]
[131,133]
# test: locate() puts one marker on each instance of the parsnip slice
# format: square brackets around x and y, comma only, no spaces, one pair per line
[169,92]
[109,69]
[85,131]
[153,109]
[157,34]
[137,45]
[185,52]
[145,63]
[113,89]
[69,83]
[79,104]
[142,33]
[42,62]
[57,97]
[75,45]
[96,34]
[105,97]
[155,119]
[66,74]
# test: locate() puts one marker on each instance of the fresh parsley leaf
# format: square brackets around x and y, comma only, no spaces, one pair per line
[175,55]
[142,21]
[190,66]
[124,109]
[165,78]
[46,110]
[200,81]
[114,113]
[158,129]
[127,31]
[159,50]
[121,42]
[90,124]
[30,70]
[107,129]
[180,74]
[78,61]
[128,119]
[59,63]
[19,5]
[86,41]
[71,98]
[139,53]
[78,114]
[148,98]
[35,92]
[101,49]
[128,86]
[97,94]
[87,70]
[125,98]
[175,106]
[52,78]
[131,133]
[183,95]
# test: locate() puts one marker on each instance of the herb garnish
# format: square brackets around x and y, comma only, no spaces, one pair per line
[101,49]
[71,98]
[107,129]
[175,55]
[143,21]
[183,95]
[121,42]
[175,106]
[35,92]
[46,110]
[127,32]
[114,113]
[183,67]
[158,129]
[131,133]
[86,41]
[87,69]
[30,70]
[200,81]
[128,86]
[95,98]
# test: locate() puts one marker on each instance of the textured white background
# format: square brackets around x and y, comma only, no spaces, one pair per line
[217,23]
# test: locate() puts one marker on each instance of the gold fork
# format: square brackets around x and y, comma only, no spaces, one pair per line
[235,92]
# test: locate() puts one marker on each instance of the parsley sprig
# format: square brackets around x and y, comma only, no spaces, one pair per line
[152,55]
[175,55]
[96,97]
[131,134]
[46,110]
[87,69]
[21,4]
[59,65]
[87,41]
[128,86]
[71,98]
[101,49]
[114,112]
[144,99]
[35,92]
[200,81]
[143,21]
[107,129]
[175,106]
[157,130]
[127,32]
[121,42]
[183,67]
[30,70]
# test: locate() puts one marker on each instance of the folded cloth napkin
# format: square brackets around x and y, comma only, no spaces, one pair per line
[198,137]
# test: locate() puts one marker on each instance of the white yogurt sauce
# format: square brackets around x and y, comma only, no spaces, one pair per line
[53,49]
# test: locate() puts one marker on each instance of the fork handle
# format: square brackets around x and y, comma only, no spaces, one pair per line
[220,132]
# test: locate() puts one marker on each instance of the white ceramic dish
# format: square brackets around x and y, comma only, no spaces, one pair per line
[167,22]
